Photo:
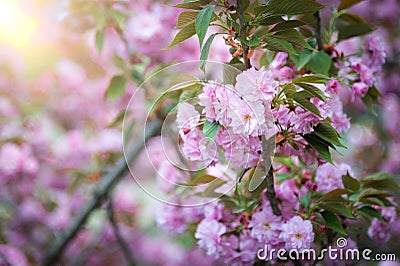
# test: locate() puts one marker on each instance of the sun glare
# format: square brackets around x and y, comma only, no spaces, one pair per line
[16,26]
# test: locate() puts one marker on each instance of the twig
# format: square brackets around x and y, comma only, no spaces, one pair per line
[271,192]
[267,147]
[318,35]
[103,187]
[125,248]
[243,33]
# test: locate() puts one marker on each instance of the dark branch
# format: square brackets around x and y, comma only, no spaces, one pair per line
[271,192]
[125,248]
[243,33]
[104,186]
[318,35]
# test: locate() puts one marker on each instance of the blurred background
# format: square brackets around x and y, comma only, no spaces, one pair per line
[61,109]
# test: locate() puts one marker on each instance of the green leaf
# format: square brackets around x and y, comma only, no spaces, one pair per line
[371,98]
[291,7]
[311,78]
[231,70]
[381,181]
[352,18]
[350,182]
[266,20]
[305,201]
[203,20]
[337,207]
[301,60]
[348,3]
[372,213]
[328,133]
[320,63]
[278,45]
[333,222]
[99,40]
[189,95]
[186,18]
[204,52]
[303,102]
[184,34]
[314,91]
[201,178]
[286,25]
[289,89]
[383,202]
[335,193]
[293,36]
[210,129]
[321,146]
[353,30]
[368,192]
[193,4]
[253,42]
[259,183]
[116,87]
[210,190]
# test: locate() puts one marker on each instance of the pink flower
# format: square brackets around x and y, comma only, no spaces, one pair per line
[254,85]
[333,86]
[246,119]
[304,121]
[207,99]
[329,177]
[266,226]
[209,234]
[374,52]
[187,117]
[359,90]
[297,234]
[379,231]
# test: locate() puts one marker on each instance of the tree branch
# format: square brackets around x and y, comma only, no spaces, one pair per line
[125,248]
[101,190]
[271,192]
[243,33]
[318,35]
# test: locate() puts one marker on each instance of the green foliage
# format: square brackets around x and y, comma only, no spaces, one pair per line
[203,20]
[205,50]
[290,7]
[371,98]
[348,3]
[186,18]
[320,145]
[99,40]
[302,99]
[116,87]
[351,183]
[320,63]
[353,30]
[328,133]
[333,222]
[197,5]
[301,59]
[184,34]
[210,129]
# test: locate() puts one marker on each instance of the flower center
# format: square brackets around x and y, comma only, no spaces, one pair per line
[298,236]
[247,117]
